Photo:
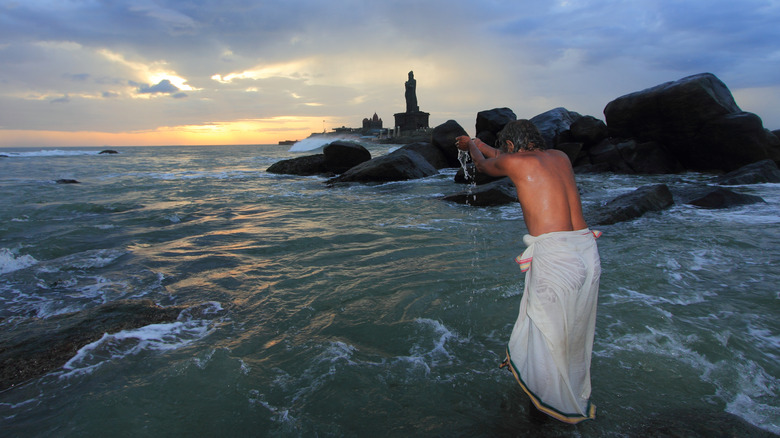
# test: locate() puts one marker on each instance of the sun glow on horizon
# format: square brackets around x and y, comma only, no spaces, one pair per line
[248,131]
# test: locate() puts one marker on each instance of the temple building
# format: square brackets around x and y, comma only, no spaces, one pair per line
[372,123]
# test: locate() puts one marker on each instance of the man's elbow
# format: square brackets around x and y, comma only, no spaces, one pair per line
[487,169]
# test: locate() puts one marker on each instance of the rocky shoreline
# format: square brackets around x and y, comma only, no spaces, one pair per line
[692,124]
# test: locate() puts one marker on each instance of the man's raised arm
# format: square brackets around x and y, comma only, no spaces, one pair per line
[484,156]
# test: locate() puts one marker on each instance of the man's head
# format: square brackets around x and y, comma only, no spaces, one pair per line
[520,135]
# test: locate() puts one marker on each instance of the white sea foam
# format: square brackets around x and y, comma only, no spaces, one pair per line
[153,337]
[316,142]
[10,262]
[51,153]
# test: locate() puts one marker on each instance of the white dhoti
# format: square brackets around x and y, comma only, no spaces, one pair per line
[550,348]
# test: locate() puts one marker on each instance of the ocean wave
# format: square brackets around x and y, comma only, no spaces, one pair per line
[312,143]
[51,153]
[10,261]
[150,338]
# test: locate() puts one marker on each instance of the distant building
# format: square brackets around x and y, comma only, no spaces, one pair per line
[372,123]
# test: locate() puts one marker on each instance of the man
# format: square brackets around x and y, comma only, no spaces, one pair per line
[549,351]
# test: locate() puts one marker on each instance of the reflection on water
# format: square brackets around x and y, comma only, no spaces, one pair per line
[364,309]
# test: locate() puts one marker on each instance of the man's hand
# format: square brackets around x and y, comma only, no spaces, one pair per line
[462,142]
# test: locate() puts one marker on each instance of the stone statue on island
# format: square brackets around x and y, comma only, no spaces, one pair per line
[413,119]
[411,94]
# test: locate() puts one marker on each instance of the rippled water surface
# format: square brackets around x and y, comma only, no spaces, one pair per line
[361,310]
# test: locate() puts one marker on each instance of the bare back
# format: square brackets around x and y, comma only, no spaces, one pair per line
[546,189]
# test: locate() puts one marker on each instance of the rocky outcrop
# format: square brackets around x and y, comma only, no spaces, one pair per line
[336,158]
[491,122]
[499,192]
[720,197]
[108,152]
[341,156]
[696,121]
[443,137]
[431,153]
[400,165]
[630,156]
[36,347]
[633,205]
[589,131]
[555,124]
[764,171]
[303,166]
[67,181]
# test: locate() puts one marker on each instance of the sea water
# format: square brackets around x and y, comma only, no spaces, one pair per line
[362,309]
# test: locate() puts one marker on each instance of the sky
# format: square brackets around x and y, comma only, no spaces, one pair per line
[173,72]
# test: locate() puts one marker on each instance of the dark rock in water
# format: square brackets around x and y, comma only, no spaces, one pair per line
[340,156]
[108,151]
[696,120]
[734,140]
[475,176]
[443,137]
[303,166]
[488,137]
[337,157]
[633,205]
[498,192]
[67,181]
[720,197]
[554,125]
[648,158]
[589,131]
[493,121]
[431,153]
[630,156]
[400,165]
[693,423]
[764,171]
[572,150]
[36,347]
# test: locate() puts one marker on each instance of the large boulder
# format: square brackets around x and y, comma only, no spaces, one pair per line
[764,171]
[555,124]
[443,137]
[589,131]
[431,153]
[720,197]
[734,140]
[696,120]
[634,204]
[400,165]
[491,122]
[336,157]
[499,192]
[631,157]
[340,156]
[304,166]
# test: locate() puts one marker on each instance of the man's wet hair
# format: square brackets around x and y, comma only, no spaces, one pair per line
[523,134]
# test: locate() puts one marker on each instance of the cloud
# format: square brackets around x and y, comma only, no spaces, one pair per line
[163,87]
[63,99]
[345,60]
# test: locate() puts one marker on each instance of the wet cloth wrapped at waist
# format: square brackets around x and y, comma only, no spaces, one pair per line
[524,259]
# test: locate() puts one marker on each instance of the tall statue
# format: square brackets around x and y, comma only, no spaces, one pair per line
[411,94]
